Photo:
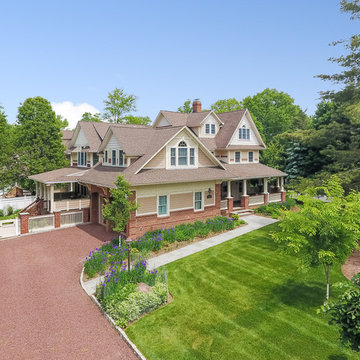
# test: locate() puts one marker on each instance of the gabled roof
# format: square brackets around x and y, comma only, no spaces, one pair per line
[58,176]
[66,138]
[185,119]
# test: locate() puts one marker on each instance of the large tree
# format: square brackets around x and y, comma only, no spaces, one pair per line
[137,120]
[186,108]
[118,104]
[89,117]
[6,151]
[322,233]
[276,111]
[38,141]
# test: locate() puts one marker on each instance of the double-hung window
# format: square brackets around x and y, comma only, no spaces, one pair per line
[192,156]
[212,128]
[251,156]
[198,201]
[82,158]
[121,158]
[173,156]
[237,156]
[113,157]
[182,153]
[207,128]
[162,205]
[244,133]
[106,156]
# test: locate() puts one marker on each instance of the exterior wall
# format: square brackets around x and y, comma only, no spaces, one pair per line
[253,139]
[203,160]
[181,201]
[81,139]
[147,205]
[138,225]
[158,161]
[244,156]
[210,120]
[163,122]
[222,155]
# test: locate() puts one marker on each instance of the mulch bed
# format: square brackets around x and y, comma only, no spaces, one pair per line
[352,265]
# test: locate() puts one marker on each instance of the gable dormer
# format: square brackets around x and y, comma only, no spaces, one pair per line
[246,133]
[113,153]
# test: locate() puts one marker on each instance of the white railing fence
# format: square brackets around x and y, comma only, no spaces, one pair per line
[223,204]
[256,200]
[275,197]
[38,223]
[73,218]
[16,203]
[9,228]
[67,205]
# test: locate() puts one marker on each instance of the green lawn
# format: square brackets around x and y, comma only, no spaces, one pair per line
[241,300]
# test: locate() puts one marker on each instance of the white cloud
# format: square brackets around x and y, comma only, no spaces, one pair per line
[72,112]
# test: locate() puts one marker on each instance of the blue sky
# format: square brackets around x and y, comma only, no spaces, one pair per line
[75,52]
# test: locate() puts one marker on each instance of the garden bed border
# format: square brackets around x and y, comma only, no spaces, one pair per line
[120,331]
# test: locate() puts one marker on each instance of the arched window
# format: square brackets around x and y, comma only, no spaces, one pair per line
[182,155]
[244,133]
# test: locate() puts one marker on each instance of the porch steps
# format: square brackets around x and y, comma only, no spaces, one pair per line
[242,212]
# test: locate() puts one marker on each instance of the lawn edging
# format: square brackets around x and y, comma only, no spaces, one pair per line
[120,331]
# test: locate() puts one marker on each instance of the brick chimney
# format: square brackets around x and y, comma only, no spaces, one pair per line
[196,106]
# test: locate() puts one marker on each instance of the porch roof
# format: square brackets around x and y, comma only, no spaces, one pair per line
[64,175]
[252,171]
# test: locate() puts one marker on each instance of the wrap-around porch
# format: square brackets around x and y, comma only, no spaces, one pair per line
[240,194]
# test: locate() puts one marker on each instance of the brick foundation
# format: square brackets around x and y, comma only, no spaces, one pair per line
[283,196]
[266,198]
[24,223]
[86,215]
[244,201]
[57,219]
[230,204]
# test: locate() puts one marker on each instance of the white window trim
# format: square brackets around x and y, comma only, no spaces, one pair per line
[167,205]
[206,127]
[117,158]
[247,130]
[249,156]
[237,162]
[202,201]
[188,166]
[79,157]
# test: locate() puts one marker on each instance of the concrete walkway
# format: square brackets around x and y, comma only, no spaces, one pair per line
[254,222]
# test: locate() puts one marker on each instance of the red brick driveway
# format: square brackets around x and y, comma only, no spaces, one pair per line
[44,312]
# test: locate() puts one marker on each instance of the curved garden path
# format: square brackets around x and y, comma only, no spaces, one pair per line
[44,312]
[352,265]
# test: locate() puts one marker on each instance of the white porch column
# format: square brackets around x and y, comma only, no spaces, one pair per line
[278,182]
[282,183]
[71,187]
[51,198]
[229,189]
[265,185]
[37,189]
[244,188]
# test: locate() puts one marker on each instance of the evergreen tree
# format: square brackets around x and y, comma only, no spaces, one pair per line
[38,141]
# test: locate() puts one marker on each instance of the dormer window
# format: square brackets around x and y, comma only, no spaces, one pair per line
[121,158]
[182,155]
[82,158]
[207,128]
[244,133]
[251,156]
[213,128]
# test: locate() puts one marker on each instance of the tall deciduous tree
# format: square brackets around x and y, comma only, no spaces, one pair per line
[89,117]
[118,104]
[276,112]
[322,233]
[226,105]
[137,120]
[6,151]
[118,210]
[186,108]
[38,139]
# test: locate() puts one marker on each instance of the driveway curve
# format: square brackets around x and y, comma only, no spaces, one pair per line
[44,312]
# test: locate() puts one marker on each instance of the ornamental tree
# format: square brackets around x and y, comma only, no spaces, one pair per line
[345,313]
[119,208]
[322,233]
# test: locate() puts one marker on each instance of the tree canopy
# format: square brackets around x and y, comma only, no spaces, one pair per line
[322,233]
[38,141]
[118,210]
[118,104]
[89,117]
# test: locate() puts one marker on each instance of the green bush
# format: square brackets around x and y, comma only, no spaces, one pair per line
[10,211]
[2,213]
[276,209]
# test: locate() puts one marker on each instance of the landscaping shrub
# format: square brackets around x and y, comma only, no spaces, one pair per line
[10,211]
[275,209]
[100,259]
[2,213]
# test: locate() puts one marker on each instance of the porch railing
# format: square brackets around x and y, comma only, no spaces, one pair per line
[72,218]
[275,197]
[223,204]
[43,222]
[71,204]
[9,227]
[256,200]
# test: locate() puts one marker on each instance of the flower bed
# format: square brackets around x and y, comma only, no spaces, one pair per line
[100,259]
[275,209]
[120,297]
